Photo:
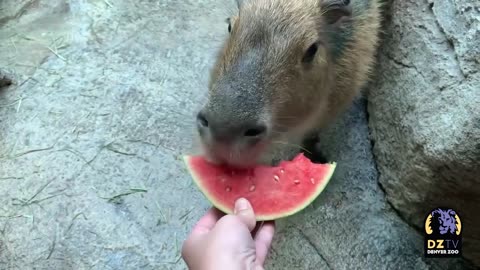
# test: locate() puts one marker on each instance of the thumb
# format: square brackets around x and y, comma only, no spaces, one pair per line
[244,211]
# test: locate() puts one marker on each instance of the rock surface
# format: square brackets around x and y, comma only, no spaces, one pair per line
[92,132]
[424,112]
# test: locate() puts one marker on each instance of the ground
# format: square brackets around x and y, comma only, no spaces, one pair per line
[92,133]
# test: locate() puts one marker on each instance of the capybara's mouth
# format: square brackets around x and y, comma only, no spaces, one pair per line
[236,159]
[237,163]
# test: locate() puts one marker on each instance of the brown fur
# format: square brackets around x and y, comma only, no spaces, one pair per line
[272,36]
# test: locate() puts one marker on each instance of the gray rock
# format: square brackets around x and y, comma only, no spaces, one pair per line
[34,28]
[108,112]
[424,112]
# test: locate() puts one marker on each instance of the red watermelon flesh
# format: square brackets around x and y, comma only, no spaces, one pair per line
[274,192]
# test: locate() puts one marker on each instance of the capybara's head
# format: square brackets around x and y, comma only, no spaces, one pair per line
[271,78]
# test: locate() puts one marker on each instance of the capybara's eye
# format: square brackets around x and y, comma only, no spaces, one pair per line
[310,53]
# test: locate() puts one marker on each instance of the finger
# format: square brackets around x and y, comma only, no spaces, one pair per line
[263,241]
[204,225]
[207,222]
[244,211]
[197,235]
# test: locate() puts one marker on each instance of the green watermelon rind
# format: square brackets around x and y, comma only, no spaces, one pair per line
[229,210]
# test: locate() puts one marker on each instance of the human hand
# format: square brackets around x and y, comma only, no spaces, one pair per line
[231,242]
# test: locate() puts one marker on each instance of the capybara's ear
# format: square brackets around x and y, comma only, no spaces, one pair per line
[334,10]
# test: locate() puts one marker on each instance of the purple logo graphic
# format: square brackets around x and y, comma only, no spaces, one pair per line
[444,221]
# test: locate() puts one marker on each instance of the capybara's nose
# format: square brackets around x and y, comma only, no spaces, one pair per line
[243,130]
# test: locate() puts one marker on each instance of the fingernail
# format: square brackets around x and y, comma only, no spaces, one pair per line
[241,204]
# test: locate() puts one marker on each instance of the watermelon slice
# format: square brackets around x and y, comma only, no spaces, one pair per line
[274,192]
